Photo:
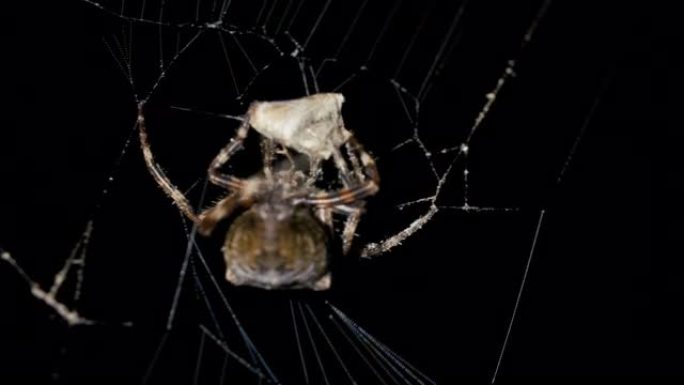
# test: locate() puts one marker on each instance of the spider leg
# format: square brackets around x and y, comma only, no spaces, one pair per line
[376,248]
[341,165]
[324,214]
[215,175]
[367,165]
[291,161]
[358,184]
[353,214]
[353,217]
[158,174]
[354,159]
[209,218]
[368,186]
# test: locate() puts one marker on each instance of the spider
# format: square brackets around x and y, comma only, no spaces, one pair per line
[283,238]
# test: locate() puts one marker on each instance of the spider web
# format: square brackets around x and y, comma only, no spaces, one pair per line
[430,91]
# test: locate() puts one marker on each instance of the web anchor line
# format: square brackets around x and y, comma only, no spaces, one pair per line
[523,281]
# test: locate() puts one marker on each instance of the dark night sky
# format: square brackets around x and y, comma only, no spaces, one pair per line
[605,285]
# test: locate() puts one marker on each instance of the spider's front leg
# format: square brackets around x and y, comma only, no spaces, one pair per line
[162,180]
[353,214]
[352,218]
[212,216]
[359,183]
[209,218]
[215,175]
[355,188]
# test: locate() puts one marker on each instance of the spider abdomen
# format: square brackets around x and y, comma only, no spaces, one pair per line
[274,253]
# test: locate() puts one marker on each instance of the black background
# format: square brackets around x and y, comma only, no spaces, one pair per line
[604,289]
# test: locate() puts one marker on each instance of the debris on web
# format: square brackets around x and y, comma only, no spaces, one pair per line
[77,260]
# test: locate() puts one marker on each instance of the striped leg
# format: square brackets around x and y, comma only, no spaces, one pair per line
[368,186]
[350,224]
[361,182]
[212,216]
[215,175]
[158,174]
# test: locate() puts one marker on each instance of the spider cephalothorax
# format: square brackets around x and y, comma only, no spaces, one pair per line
[282,240]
